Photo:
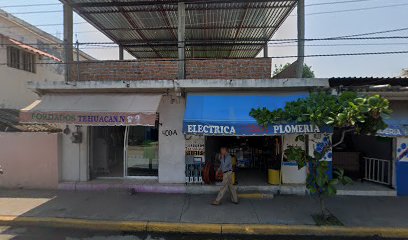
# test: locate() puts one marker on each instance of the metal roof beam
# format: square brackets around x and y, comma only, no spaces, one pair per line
[156,2]
[174,44]
[190,27]
[195,50]
[171,9]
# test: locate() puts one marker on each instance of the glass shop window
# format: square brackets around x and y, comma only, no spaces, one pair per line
[143,151]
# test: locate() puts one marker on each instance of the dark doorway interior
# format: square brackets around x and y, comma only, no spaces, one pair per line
[253,156]
[365,157]
[107,151]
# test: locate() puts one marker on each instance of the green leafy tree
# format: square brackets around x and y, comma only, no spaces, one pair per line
[307,70]
[347,111]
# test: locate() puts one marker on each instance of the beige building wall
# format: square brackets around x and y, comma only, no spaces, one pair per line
[29,160]
[13,82]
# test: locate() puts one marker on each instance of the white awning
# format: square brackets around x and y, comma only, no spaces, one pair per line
[106,109]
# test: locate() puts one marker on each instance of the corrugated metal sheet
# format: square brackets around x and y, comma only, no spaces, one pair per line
[367,81]
[214,29]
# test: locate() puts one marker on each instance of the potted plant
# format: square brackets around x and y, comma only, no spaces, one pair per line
[293,172]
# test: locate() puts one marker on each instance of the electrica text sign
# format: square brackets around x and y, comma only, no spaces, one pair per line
[231,129]
[89,118]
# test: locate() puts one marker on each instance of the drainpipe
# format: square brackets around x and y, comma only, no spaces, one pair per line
[265,50]
[77,60]
[121,52]
[301,37]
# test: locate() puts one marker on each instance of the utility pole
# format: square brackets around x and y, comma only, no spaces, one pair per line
[68,41]
[181,37]
[301,37]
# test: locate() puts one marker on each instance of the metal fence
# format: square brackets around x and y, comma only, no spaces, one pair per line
[378,170]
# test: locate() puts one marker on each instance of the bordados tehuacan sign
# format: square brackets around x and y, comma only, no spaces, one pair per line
[250,129]
[89,118]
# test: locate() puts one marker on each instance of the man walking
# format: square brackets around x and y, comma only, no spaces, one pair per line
[227,183]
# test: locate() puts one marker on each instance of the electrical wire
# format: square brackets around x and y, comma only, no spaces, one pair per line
[338,2]
[43,25]
[307,5]
[37,12]
[307,14]
[205,59]
[32,5]
[341,45]
[353,9]
[291,45]
[236,42]
[378,32]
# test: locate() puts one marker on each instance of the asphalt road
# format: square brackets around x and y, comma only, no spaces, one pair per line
[42,233]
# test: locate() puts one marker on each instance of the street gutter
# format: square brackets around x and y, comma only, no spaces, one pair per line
[205,228]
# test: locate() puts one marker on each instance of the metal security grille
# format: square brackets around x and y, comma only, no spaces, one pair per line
[378,170]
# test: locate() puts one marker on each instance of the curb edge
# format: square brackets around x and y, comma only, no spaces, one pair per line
[205,228]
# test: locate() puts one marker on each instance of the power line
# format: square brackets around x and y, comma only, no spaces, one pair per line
[315,13]
[37,12]
[347,54]
[356,9]
[197,42]
[59,4]
[98,47]
[340,38]
[353,35]
[203,59]
[378,32]
[32,5]
[338,2]
[44,25]
[340,45]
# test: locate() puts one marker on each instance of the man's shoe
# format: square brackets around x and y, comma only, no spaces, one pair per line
[235,202]
[215,203]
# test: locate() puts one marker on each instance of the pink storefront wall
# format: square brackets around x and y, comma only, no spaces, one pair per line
[29,160]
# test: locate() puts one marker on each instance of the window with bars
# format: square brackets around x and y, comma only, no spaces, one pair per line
[20,59]
[13,57]
[28,62]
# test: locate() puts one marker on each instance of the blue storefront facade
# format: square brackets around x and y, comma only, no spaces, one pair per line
[220,115]
[191,121]
[228,115]
[401,154]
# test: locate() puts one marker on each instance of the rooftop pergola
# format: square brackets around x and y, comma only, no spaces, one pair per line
[210,28]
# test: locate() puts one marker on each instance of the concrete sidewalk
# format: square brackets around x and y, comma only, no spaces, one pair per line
[114,206]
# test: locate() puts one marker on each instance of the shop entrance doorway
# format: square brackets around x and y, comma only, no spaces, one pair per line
[123,152]
[252,156]
[365,158]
